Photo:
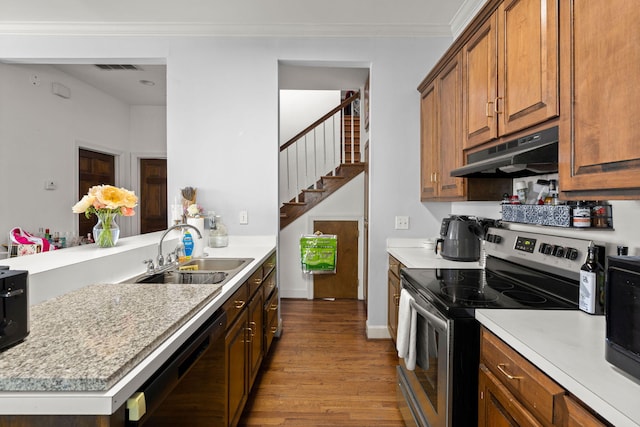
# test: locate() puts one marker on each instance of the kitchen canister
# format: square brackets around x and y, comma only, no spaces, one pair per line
[582,215]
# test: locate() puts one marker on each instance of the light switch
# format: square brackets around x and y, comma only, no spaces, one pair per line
[244,217]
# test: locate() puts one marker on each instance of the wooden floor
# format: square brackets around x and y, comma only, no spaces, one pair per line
[323,371]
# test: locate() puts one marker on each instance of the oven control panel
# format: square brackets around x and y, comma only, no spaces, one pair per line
[543,251]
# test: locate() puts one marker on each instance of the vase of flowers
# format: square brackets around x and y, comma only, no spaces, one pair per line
[106,202]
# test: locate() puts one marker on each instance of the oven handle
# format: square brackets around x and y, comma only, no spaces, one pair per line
[434,319]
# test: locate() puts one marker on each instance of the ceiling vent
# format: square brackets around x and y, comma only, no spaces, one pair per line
[127,67]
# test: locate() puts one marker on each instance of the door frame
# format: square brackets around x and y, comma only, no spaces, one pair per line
[119,171]
[310,230]
[135,181]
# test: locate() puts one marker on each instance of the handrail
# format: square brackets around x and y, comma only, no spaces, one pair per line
[344,103]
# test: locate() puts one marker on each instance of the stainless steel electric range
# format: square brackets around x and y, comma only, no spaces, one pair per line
[522,270]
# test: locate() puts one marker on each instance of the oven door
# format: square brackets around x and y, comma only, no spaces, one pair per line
[423,392]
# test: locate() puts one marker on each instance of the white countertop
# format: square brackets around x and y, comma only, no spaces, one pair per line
[412,254]
[106,402]
[569,347]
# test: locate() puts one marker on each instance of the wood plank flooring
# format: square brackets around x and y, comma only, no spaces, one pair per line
[323,371]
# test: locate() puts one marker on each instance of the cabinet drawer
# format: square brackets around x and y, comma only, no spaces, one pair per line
[269,284]
[255,281]
[271,313]
[394,266]
[269,265]
[539,393]
[573,414]
[234,305]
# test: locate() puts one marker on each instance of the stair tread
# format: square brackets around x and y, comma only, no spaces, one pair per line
[294,203]
[314,190]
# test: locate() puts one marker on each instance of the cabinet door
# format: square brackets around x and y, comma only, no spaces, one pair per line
[480,85]
[255,337]
[599,129]
[236,360]
[428,143]
[449,91]
[527,63]
[393,304]
[497,407]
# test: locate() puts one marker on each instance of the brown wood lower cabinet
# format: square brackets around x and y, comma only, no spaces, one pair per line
[513,392]
[393,297]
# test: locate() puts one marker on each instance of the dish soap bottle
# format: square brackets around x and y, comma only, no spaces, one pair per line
[218,237]
[187,242]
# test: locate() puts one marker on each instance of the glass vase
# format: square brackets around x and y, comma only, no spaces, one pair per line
[106,231]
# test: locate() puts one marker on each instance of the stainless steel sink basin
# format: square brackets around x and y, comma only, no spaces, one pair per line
[209,271]
[190,277]
[217,264]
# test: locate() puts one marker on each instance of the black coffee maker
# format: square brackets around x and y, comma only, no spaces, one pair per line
[14,307]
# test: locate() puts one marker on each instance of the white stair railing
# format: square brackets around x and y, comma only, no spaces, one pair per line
[318,150]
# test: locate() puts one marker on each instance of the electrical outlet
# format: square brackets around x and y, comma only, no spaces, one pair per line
[244,217]
[402,222]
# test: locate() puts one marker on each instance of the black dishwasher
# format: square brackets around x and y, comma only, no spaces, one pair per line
[195,371]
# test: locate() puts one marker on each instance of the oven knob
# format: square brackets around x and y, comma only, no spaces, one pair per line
[497,239]
[548,250]
[571,253]
[558,251]
[542,248]
[490,237]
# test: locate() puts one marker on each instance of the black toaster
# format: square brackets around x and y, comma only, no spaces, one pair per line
[14,307]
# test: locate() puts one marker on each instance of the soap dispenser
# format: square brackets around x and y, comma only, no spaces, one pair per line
[218,237]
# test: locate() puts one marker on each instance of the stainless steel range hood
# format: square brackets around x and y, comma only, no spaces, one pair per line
[534,154]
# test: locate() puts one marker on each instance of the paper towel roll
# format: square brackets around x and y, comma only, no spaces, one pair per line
[198,244]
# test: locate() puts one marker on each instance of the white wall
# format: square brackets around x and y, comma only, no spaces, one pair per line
[40,134]
[300,108]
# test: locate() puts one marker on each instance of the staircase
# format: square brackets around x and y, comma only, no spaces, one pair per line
[344,163]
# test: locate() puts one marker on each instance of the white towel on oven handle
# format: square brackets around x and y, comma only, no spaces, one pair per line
[406,332]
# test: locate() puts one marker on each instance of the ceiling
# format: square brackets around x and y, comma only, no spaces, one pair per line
[300,18]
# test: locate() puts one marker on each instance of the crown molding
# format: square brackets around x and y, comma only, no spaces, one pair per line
[465,14]
[186,29]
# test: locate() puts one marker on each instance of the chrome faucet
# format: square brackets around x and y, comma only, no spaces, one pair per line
[160,258]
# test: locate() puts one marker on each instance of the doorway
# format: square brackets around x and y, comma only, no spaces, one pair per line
[344,283]
[94,168]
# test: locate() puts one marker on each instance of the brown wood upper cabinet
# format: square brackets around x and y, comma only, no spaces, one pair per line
[511,71]
[599,128]
[441,134]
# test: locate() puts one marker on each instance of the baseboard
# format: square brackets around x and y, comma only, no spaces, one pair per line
[294,293]
[377,332]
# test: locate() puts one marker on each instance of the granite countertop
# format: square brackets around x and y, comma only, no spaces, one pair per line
[87,340]
[568,345]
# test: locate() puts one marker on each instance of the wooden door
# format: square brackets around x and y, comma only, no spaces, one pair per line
[93,169]
[344,283]
[152,205]
[599,129]
[428,143]
[480,85]
[527,63]
[449,91]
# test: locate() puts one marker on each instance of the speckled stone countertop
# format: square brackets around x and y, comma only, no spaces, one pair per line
[89,339]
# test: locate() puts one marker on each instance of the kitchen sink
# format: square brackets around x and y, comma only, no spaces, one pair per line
[217,264]
[190,277]
[196,271]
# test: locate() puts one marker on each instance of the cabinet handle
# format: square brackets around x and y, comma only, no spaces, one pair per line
[487,109]
[270,265]
[257,281]
[396,298]
[253,325]
[273,307]
[274,329]
[239,304]
[248,335]
[495,105]
[501,368]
